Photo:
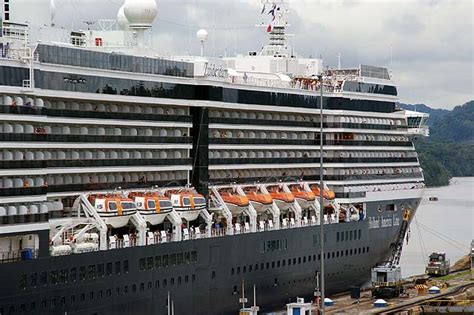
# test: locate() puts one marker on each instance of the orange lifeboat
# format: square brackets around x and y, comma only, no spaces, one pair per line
[187,203]
[260,201]
[304,198]
[114,209]
[152,206]
[327,194]
[282,199]
[236,203]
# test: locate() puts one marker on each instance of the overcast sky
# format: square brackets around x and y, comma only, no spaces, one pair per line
[432,40]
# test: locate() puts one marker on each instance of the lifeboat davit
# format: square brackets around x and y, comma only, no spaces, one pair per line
[260,201]
[283,200]
[304,198]
[115,210]
[327,194]
[187,203]
[152,206]
[236,203]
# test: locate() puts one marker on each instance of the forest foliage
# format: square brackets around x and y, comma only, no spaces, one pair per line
[449,150]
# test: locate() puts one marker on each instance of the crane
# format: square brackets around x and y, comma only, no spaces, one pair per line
[387,277]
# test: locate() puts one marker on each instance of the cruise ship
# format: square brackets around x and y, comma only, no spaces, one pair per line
[135,182]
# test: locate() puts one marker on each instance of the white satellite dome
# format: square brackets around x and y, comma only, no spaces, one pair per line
[202,35]
[121,18]
[140,13]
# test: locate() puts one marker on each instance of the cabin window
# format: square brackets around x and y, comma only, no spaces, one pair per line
[179,258]
[173,260]
[186,201]
[165,204]
[187,257]
[63,276]
[151,204]
[73,274]
[142,264]
[91,272]
[109,269]
[53,277]
[194,256]
[199,200]
[360,234]
[390,207]
[112,206]
[127,205]
[100,270]
[337,236]
[117,267]
[34,280]
[134,288]
[23,282]
[150,263]
[164,261]
[158,262]
[186,279]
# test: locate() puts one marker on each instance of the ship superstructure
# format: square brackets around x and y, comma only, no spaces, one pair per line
[127,175]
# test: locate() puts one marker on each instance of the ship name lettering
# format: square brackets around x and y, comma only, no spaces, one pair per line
[215,70]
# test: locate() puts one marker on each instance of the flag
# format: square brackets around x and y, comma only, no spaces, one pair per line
[263,9]
[272,11]
[269,28]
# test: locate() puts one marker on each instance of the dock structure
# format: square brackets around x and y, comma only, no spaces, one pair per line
[454,291]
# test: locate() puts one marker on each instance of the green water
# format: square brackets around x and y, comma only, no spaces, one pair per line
[452,216]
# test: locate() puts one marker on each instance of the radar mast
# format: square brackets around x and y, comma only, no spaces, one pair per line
[273,19]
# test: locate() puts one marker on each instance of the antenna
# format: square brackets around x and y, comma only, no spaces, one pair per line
[202,35]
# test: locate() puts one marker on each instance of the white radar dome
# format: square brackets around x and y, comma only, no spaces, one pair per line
[121,18]
[202,35]
[140,13]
